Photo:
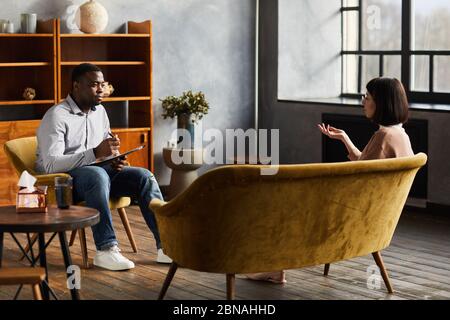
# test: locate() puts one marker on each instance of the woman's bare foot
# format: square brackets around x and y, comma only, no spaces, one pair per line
[278,277]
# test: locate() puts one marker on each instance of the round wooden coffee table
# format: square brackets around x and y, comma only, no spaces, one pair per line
[54,221]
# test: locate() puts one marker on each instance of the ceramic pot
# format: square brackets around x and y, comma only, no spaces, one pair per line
[185,138]
[92,17]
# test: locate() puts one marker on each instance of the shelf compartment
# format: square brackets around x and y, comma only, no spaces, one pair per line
[134,114]
[119,77]
[105,49]
[27,49]
[23,112]
[105,63]
[15,80]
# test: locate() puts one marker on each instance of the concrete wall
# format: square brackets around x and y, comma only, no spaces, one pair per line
[300,140]
[198,44]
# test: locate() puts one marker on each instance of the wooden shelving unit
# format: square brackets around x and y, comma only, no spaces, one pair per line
[26,60]
[126,62]
[45,60]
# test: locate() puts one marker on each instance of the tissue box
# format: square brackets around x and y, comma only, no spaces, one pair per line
[32,202]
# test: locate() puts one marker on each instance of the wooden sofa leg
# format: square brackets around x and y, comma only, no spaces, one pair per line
[230,286]
[126,224]
[326,269]
[84,252]
[384,274]
[36,291]
[173,268]
[72,237]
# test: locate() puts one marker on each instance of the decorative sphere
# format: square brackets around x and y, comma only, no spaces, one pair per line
[92,17]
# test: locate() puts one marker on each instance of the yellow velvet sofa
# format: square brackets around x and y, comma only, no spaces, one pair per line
[234,220]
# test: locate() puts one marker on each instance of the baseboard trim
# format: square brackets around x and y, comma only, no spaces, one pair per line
[412,208]
[438,209]
[431,208]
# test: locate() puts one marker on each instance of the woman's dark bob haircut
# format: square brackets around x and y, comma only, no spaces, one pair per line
[390,99]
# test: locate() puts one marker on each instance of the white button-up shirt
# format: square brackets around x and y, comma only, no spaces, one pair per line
[67,136]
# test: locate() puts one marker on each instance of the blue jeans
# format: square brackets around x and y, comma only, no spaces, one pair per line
[96,185]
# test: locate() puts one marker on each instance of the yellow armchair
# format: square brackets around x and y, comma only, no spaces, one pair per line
[233,220]
[22,155]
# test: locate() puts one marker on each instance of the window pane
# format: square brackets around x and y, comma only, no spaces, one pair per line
[350,63]
[350,32]
[431,25]
[442,74]
[392,67]
[370,70]
[351,3]
[420,73]
[382,24]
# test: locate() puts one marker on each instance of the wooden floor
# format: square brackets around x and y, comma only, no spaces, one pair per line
[418,261]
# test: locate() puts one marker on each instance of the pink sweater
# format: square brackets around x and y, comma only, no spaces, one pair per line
[388,142]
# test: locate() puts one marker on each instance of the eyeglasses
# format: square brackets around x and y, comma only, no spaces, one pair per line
[366,96]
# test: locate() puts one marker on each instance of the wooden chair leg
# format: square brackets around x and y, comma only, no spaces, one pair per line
[173,268]
[326,270]
[27,247]
[126,224]
[72,237]
[230,286]
[384,274]
[84,252]
[36,291]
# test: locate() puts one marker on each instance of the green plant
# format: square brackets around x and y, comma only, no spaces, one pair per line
[188,103]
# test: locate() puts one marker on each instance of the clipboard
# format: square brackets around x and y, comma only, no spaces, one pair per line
[110,159]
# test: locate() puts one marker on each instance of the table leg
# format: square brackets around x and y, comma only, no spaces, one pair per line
[43,264]
[67,262]
[1,248]
[30,248]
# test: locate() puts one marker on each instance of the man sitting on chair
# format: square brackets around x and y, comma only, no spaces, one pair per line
[74,134]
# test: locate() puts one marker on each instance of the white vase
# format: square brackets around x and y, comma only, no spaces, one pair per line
[92,17]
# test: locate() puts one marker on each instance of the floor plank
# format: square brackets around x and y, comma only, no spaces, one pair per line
[418,262]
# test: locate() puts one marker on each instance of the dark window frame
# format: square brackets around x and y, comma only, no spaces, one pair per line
[406,54]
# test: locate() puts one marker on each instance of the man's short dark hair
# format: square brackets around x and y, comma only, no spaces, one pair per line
[391,101]
[80,70]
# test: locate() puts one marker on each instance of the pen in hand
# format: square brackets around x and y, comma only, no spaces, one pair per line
[114,137]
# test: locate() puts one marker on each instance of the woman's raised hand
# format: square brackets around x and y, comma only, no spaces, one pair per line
[332,132]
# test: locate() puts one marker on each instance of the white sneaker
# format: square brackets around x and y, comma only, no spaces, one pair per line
[112,259]
[162,258]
